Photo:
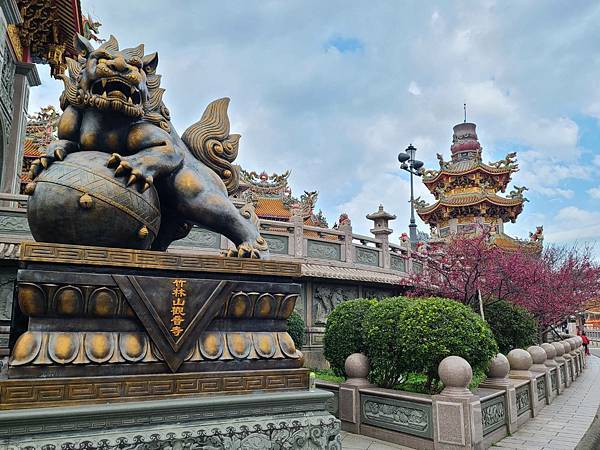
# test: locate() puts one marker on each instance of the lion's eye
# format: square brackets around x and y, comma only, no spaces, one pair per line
[101,61]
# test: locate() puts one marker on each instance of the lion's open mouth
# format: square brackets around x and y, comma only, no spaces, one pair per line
[117,89]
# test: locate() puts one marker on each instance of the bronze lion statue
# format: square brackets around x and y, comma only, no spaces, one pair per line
[112,103]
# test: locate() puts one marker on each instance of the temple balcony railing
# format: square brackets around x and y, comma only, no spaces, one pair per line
[294,239]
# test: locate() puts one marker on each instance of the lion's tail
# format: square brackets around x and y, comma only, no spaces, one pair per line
[210,142]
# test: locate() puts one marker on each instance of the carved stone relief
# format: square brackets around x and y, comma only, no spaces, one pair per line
[367,256]
[277,244]
[324,250]
[522,399]
[7,281]
[369,292]
[541,388]
[14,224]
[200,237]
[404,416]
[493,415]
[397,263]
[326,297]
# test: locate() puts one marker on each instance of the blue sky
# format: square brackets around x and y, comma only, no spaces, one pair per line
[334,90]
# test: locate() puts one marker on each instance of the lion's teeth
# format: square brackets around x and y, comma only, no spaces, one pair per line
[104,81]
[104,94]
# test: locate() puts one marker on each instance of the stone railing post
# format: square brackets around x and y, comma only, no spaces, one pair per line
[456,411]
[570,363]
[553,366]
[581,351]
[298,234]
[497,378]
[563,376]
[543,384]
[574,341]
[357,371]
[348,246]
[520,362]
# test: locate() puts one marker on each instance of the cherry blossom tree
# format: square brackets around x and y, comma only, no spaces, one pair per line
[552,284]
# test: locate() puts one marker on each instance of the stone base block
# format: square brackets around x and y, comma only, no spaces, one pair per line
[291,420]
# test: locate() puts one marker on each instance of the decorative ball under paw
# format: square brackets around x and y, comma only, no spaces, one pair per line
[80,201]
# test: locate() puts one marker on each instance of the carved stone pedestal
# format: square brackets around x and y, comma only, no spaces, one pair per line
[127,349]
[291,420]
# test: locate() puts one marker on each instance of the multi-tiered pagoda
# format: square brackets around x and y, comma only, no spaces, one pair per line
[466,190]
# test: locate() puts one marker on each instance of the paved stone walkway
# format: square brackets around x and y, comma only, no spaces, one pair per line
[355,442]
[561,425]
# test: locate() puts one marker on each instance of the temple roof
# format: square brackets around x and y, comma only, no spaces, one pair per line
[466,159]
[273,199]
[46,34]
[471,199]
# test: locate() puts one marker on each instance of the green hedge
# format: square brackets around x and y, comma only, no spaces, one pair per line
[296,329]
[380,330]
[431,329]
[343,332]
[512,325]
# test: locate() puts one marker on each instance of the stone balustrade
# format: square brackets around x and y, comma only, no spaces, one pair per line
[517,387]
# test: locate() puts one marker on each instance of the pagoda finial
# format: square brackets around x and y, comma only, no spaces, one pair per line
[465,108]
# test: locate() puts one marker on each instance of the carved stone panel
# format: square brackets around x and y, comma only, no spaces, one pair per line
[397,263]
[417,266]
[367,256]
[8,276]
[523,404]
[277,244]
[398,415]
[323,250]
[14,224]
[554,380]
[370,292]
[200,237]
[326,297]
[563,374]
[540,385]
[493,414]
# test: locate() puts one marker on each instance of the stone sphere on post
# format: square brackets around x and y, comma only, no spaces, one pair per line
[357,368]
[519,359]
[538,356]
[456,374]
[550,354]
[560,349]
[499,367]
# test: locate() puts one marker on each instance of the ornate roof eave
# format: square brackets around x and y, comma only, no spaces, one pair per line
[509,243]
[481,167]
[490,198]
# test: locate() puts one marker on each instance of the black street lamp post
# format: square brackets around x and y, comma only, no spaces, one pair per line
[413,166]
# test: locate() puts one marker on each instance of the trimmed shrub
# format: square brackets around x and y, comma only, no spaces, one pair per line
[380,330]
[296,329]
[513,326]
[431,329]
[343,332]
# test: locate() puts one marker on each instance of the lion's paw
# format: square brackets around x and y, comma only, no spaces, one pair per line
[129,167]
[54,152]
[251,250]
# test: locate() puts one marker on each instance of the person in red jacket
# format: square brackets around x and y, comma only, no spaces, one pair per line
[586,342]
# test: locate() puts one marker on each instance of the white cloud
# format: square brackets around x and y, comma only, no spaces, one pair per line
[413,88]
[574,224]
[594,192]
